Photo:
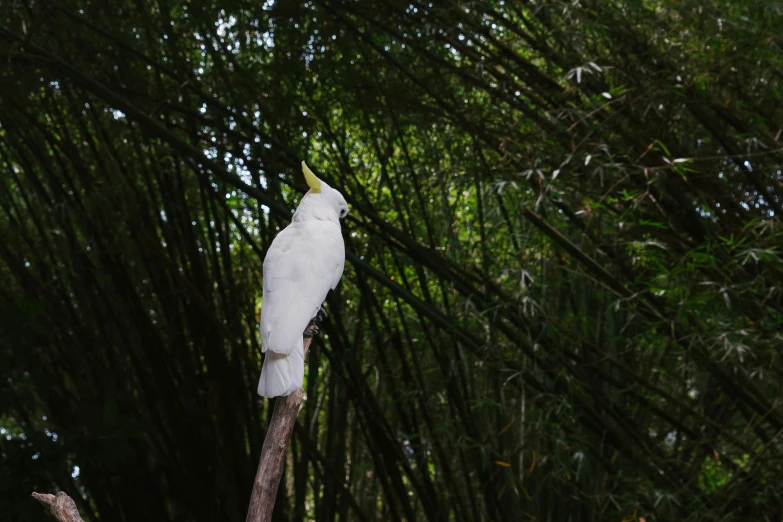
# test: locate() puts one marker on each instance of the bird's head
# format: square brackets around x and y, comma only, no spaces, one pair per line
[321,201]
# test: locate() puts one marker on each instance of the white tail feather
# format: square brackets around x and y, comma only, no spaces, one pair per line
[281,373]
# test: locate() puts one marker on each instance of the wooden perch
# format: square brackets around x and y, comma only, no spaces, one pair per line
[61,506]
[273,453]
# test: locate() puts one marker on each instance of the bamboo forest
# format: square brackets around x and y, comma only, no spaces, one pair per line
[562,297]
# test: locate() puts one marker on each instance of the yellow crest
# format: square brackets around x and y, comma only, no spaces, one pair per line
[312,181]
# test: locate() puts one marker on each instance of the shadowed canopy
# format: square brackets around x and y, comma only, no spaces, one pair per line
[562,297]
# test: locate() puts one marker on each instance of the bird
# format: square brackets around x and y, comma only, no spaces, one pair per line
[305,260]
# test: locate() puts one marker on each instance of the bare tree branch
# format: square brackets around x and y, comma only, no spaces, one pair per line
[61,506]
[270,466]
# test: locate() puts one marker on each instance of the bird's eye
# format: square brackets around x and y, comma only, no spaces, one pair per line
[343,212]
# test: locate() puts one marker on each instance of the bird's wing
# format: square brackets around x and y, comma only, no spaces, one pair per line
[338,247]
[299,269]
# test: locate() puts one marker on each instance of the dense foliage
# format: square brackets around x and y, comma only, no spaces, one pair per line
[563,298]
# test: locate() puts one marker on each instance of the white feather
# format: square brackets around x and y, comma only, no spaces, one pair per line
[304,262]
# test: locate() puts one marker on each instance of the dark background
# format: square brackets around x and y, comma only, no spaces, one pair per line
[562,298]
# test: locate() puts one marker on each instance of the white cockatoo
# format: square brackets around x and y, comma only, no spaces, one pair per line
[304,262]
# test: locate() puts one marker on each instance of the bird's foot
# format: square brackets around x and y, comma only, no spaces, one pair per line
[311,331]
[320,315]
[312,328]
